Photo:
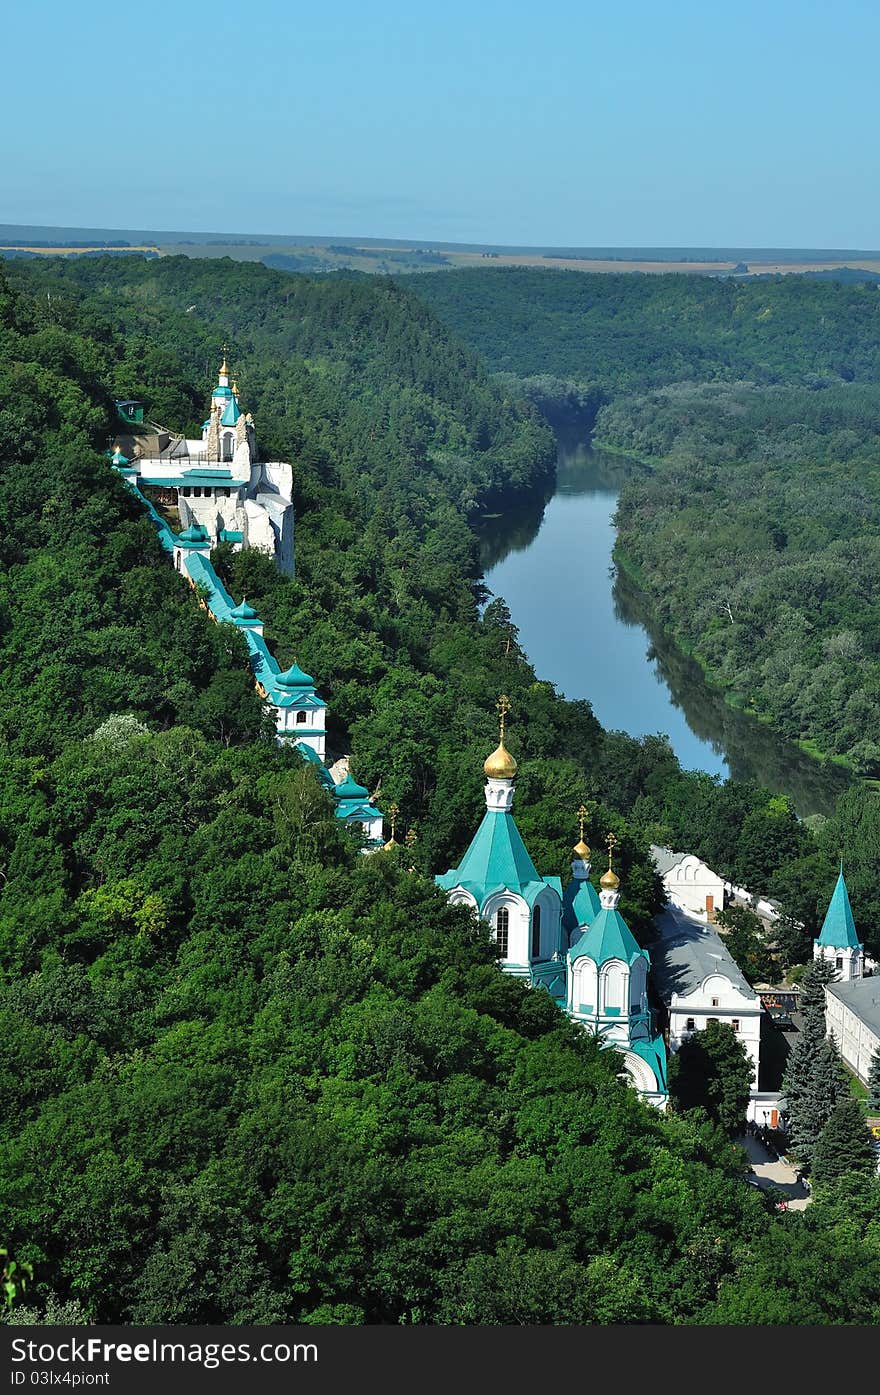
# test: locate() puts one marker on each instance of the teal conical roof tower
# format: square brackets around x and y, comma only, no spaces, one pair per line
[839,928]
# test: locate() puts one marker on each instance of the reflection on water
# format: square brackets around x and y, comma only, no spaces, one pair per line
[591,634]
[752,750]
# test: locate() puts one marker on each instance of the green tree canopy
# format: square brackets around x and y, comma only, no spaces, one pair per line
[712,1070]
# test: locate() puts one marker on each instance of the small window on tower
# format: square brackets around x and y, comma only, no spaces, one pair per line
[300,717]
[536,932]
[714,1002]
[735,1024]
[502,931]
[690,1025]
[838,963]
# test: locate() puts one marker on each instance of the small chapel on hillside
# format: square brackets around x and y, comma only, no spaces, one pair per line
[575,945]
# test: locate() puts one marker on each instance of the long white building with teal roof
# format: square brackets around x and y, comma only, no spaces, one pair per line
[575,944]
[289,695]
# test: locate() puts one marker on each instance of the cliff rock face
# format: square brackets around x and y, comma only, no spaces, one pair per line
[212,440]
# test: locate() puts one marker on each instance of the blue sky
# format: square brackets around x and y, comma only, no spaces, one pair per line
[637,123]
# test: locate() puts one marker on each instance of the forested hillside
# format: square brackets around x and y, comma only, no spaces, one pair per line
[629,332]
[758,539]
[247,1075]
[757,404]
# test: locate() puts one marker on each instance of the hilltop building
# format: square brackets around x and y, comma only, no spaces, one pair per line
[217,483]
[838,941]
[216,490]
[576,946]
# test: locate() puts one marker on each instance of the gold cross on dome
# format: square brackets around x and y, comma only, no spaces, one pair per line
[582,816]
[611,843]
[503,707]
[393,811]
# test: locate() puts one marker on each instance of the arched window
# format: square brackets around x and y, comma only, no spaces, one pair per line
[536,932]
[301,717]
[502,930]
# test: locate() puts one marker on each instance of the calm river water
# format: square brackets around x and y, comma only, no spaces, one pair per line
[588,632]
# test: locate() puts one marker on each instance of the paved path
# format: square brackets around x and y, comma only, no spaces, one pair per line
[769,1172]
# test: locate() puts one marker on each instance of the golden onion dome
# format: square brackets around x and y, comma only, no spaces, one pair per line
[609,880]
[500,765]
[581,850]
[392,843]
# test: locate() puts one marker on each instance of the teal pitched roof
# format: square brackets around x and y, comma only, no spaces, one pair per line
[353,801]
[609,937]
[496,858]
[580,904]
[231,413]
[838,927]
[220,391]
[310,754]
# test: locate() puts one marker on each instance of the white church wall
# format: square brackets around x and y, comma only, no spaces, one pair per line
[583,994]
[848,961]
[518,925]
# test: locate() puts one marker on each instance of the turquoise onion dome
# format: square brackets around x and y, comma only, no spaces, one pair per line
[294,677]
[350,789]
[244,612]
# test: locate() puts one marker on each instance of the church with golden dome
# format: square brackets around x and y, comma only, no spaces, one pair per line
[575,944]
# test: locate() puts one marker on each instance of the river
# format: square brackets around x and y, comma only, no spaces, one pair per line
[590,633]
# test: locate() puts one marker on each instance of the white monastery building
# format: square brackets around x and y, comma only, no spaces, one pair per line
[688,882]
[700,982]
[852,1015]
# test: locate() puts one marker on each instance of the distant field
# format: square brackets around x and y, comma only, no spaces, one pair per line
[67,251]
[396,259]
[293,252]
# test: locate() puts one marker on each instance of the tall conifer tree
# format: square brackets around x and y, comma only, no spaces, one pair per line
[844,1145]
[826,1088]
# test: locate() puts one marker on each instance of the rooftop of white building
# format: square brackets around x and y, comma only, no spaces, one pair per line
[862,997]
[685,955]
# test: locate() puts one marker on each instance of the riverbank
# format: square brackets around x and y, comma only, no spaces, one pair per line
[737,701]
[542,558]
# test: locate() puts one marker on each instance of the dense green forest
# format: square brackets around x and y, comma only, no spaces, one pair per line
[248,1075]
[756,535]
[629,332]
